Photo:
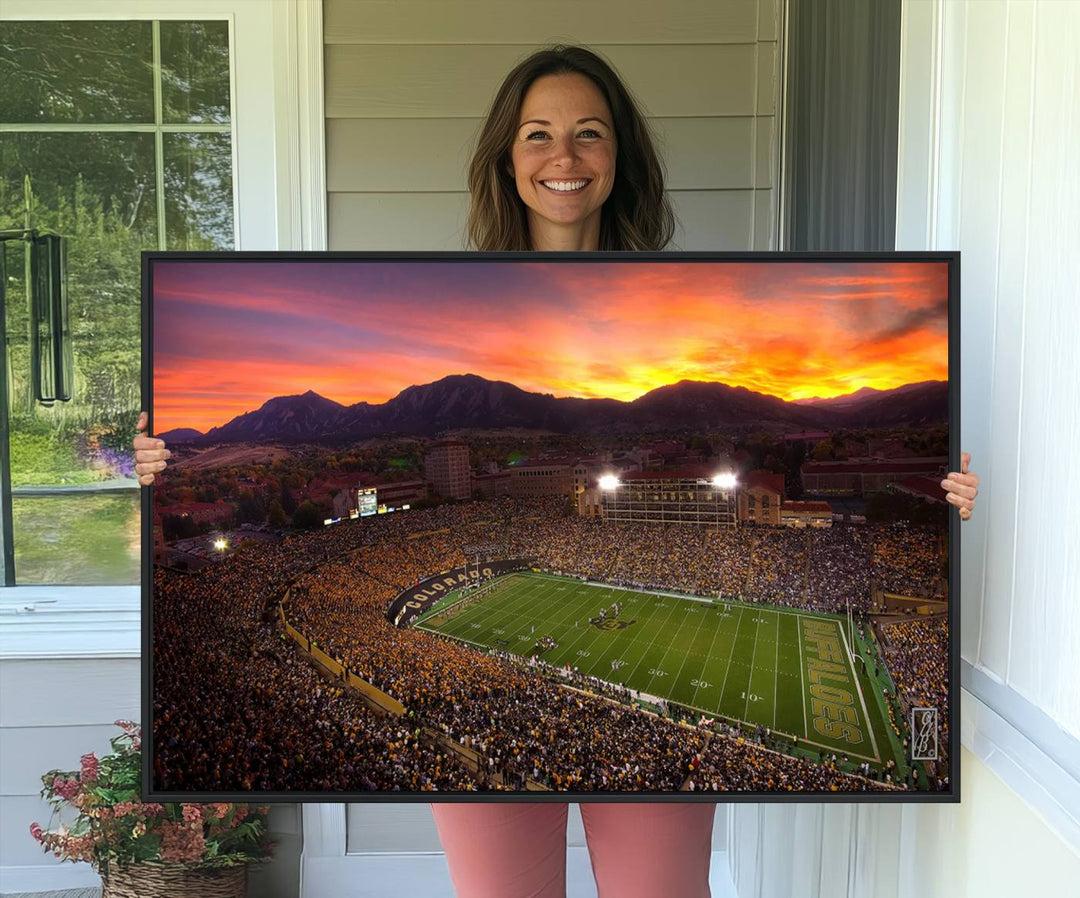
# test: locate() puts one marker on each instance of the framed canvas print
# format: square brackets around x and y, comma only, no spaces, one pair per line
[453,526]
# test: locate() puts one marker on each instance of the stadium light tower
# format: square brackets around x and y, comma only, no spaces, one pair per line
[725,482]
[609,500]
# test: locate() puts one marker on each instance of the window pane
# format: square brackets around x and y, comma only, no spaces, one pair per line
[81,540]
[76,72]
[195,72]
[198,191]
[98,191]
[81,184]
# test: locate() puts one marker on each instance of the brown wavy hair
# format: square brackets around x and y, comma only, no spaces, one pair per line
[637,214]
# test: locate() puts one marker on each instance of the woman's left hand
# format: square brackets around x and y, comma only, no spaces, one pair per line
[962,487]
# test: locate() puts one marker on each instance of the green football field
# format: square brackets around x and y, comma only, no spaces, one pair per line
[790,670]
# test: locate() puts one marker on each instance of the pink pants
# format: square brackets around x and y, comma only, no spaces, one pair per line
[519,850]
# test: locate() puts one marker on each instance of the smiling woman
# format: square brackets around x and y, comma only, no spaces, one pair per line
[563,160]
[561,117]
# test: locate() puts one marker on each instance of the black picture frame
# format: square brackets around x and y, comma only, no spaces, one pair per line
[950,794]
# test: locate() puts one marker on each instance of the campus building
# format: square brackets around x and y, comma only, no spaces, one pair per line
[806,514]
[535,479]
[847,478]
[446,469]
[760,497]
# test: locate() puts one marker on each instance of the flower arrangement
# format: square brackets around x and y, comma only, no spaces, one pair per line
[114,827]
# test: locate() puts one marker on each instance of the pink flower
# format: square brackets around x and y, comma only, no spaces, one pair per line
[192,813]
[89,767]
[152,809]
[181,842]
[66,789]
[36,831]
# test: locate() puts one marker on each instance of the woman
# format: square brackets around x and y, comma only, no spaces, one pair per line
[565,162]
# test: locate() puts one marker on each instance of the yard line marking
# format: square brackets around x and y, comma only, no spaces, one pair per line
[858,689]
[686,654]
[651,644]
[731,653]
[663,658]
[499,609]
[708,655]
[776,674]
[802,677]
[750,681]
[596,636]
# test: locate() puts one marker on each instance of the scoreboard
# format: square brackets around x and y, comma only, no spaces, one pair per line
[367,502]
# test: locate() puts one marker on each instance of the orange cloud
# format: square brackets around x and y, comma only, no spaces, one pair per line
[596,329]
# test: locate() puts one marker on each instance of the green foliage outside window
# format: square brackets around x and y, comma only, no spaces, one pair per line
[98,183]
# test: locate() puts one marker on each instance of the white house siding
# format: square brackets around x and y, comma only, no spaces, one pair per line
[408,83]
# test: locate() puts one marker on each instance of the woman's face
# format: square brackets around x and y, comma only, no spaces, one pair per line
[563,156]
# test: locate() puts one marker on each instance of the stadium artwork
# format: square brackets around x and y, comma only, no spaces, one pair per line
[452,526]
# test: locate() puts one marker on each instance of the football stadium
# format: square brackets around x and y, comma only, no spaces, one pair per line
[512,644]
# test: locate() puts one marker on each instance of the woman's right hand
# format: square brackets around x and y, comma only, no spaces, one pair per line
[150,453]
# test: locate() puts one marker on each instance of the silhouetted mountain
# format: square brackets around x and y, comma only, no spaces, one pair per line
[701,405]
[467,401]
[867,394]
[305,417]
[915,404]
[180,435]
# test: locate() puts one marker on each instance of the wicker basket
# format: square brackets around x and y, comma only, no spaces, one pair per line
[174,881]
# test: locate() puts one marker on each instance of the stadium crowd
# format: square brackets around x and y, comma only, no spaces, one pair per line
[738,763]
[238,707]
[917,655]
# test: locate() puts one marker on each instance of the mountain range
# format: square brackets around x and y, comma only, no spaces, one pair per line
[467,401]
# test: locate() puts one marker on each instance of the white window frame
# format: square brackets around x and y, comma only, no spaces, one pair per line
[279,189]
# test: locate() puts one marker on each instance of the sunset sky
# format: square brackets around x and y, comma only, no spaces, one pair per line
[228,335]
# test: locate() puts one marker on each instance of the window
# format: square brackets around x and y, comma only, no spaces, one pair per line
[117,135]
